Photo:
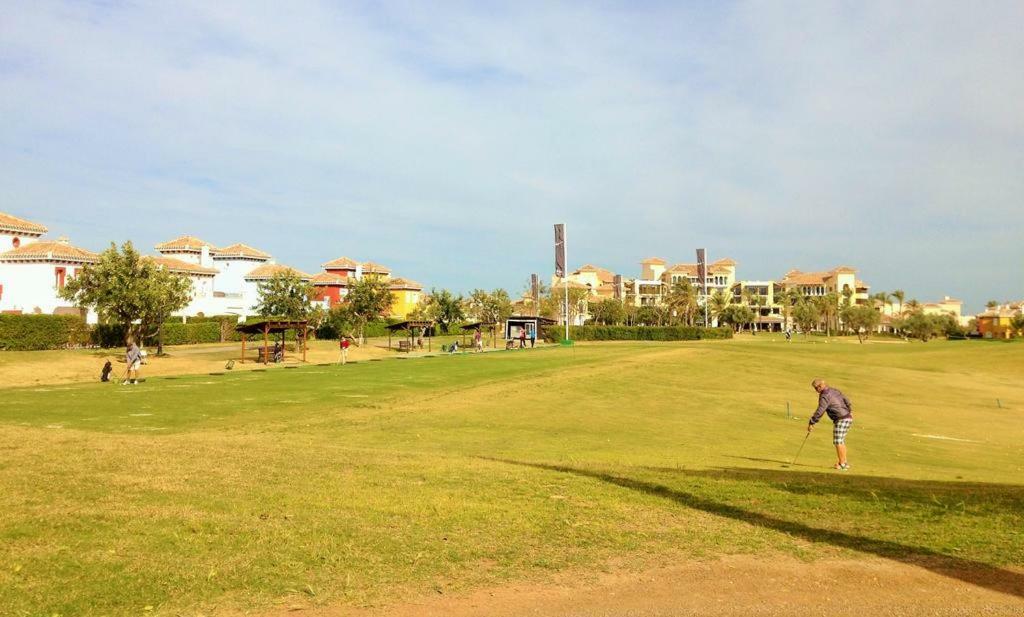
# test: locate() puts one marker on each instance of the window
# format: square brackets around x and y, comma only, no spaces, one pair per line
[16,242]
[59,274]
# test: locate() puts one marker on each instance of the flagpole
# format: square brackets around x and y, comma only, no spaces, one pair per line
[565,279]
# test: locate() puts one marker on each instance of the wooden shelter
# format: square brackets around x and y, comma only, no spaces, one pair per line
[276,327]
[530,323]
[425,327]
[483,326]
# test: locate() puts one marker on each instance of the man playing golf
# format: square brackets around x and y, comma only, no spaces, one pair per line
[840,411]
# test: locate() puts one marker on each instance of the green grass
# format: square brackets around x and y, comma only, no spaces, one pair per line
[356,484]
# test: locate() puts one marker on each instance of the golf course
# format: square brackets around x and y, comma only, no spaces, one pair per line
[440,484]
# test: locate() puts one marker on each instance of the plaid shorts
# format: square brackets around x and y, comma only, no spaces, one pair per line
[840,429]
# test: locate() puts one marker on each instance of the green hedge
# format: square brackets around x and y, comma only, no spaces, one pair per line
[32,332]
[635,333]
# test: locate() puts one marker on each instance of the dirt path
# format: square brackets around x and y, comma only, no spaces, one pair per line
[730,586]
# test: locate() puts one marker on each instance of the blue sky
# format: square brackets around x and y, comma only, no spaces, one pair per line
[445,139]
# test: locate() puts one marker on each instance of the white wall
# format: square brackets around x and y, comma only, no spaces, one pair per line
[7,240]
[27,286]
[231,278]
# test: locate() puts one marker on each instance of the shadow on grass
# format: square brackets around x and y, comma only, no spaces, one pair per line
[969,571]
[936,495]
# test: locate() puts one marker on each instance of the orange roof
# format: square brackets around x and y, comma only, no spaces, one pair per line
[859,283]
[179,266]
[241,250]
[372,268]
[341,263]
[409,284]
[267,271]
[725,261]
[185,243]
[328,278]
[50,250]
[603,274]
[654,260]
[691,269]
[13,223]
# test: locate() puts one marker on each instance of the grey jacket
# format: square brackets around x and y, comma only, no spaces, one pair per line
[835,403]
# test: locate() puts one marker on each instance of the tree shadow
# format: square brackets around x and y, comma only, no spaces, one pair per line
[933,494]
[969,571]
[774,460]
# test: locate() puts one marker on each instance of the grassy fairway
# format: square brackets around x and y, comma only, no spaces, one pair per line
[349,485]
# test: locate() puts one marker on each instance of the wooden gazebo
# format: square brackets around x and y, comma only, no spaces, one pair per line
[267,327]
[481,325]
[424,326]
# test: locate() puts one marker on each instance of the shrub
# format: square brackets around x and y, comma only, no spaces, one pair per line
[635,333]
[33,332]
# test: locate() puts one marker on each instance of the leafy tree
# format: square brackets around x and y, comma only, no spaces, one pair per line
[1017,323]
[861,319]
[553,304]
[651,315]
[368,298]
[991,304]
[609,312]
[443,307]
[124,287]
[806,315]
[285,295]
[737,315]
[492,307]
[921,326]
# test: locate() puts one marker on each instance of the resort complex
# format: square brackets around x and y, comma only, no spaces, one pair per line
[224,280]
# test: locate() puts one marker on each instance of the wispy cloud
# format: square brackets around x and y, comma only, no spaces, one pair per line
[444,140]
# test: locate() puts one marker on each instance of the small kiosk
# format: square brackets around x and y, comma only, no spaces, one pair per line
[531,323]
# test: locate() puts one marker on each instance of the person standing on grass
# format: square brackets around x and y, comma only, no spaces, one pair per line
[133,360]
[478,340]
[344,348]
[522,337]
[840,411]
[533,337]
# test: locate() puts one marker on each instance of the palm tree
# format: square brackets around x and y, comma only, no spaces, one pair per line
[787,298]
[913,305]
[682,300]
[899,294]
[717,303]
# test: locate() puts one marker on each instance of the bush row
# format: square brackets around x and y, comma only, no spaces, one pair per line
[32,332]
[635,333]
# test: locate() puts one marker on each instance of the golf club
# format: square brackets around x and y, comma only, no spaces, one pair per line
[801,447]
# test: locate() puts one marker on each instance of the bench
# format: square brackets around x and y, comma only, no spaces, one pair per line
[405,346]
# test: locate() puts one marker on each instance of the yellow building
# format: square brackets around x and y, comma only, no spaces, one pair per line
[405,294]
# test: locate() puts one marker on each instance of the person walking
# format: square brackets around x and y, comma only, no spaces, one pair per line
[133,360]
[533,337]
[840,411]
[522,337]
[343,344]
[478,340]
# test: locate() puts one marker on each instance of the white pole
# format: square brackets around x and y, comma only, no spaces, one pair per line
[706,295]
[565,279]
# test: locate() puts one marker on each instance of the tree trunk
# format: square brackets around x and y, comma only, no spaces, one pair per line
[160,340]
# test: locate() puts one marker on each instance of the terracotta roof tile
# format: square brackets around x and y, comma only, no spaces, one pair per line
[401,283]
[341,263]
[9,222]
[267,271]
[180,266]
[241,250]
[185,243]
[50,250]
[372,268]
[654,260]
[328,278]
